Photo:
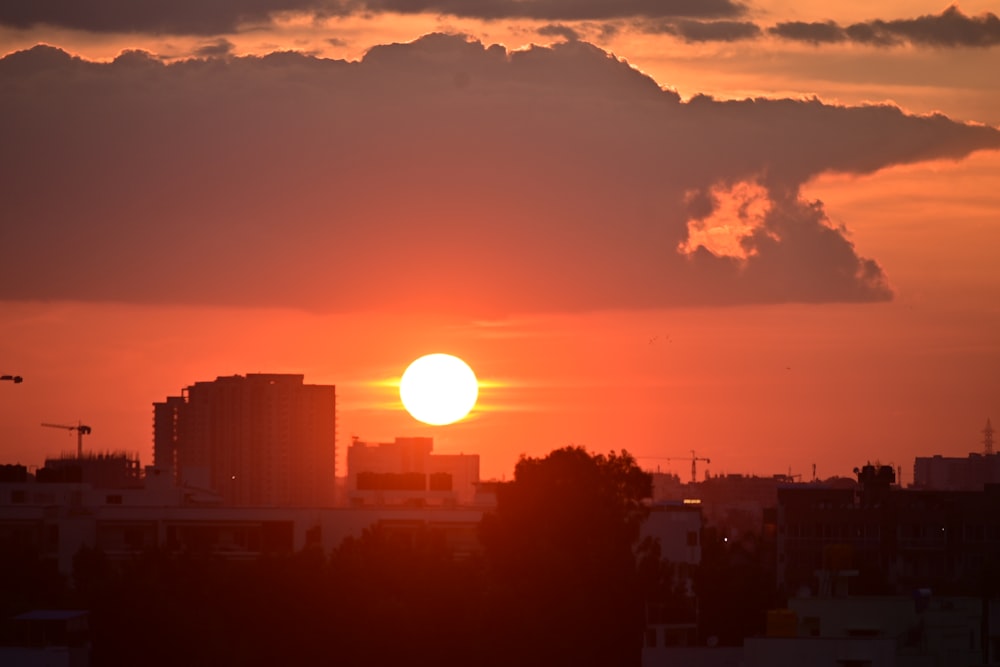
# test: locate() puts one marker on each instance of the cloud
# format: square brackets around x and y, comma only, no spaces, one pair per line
[440,174]
[702,31]
[215,49]
[194,17]
[825,32]
[951,28]
[558,30]
[553,10]
[197,17]
[691,20]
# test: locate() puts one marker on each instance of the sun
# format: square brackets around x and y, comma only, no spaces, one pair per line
[438,389]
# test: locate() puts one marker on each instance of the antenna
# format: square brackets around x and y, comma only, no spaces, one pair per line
[988,439]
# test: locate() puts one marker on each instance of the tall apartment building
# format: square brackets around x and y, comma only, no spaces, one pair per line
[260,440]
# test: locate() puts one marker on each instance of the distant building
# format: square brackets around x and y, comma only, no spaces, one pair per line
[734,504]
[677,527]
[406,472]
[259,440]
[915,630]
[879,539]
[672,619]
[56,517]
[106,470]
[946,473]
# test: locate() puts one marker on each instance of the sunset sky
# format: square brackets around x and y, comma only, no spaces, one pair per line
[767,231]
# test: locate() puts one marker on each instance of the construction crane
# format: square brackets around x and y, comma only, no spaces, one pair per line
[694,464]
[81,430]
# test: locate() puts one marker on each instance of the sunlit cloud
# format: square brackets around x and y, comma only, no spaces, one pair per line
[724,219]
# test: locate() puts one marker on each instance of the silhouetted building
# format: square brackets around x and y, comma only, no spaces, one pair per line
[261,440]
[102,470]
[734,504]
[915,630]
[55,519]
[672,620]
[13,473]
[879,539]
[946,473]
[46,638]
[405,472]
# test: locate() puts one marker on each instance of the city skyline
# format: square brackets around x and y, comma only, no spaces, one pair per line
[439,186]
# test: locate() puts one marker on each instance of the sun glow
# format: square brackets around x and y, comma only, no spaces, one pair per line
[438,389]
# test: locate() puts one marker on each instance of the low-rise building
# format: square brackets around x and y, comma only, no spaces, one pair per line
[920,630]
[407,472]
[57,518]
[891,540]
[671,610]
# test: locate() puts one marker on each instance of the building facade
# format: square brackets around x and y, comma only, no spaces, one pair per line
[949,473]
[880,539]
[406,472]
[265,440]
[55,519]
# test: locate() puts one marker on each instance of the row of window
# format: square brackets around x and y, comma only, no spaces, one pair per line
[904,532]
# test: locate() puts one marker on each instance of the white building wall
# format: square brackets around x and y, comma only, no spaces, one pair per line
[678,529]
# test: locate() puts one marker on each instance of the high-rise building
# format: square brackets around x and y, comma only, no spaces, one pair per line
[262,439]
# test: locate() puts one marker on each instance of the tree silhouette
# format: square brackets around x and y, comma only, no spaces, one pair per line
[561,554]
[410,600]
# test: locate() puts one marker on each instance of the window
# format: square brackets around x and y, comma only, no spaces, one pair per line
[114,499]
[440,481]
[864,633]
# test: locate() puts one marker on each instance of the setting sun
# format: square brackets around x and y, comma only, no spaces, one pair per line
[438,389]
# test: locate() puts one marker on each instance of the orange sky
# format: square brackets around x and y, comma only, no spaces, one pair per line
[593,357]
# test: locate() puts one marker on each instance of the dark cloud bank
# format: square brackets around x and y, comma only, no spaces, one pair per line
[213,17]
[439,174]
[950,28]
[690,20]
